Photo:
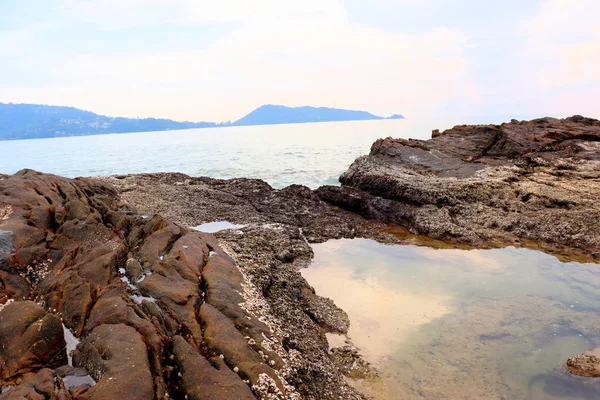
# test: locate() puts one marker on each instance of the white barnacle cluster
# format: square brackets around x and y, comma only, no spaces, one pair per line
[8,302]
[266,389]
[5,212]
[37,271]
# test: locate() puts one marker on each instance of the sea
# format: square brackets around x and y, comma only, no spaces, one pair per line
[311,154]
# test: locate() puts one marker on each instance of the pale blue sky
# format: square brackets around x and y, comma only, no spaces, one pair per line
[208,60]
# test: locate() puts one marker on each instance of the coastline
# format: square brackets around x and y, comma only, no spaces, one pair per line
[250,285]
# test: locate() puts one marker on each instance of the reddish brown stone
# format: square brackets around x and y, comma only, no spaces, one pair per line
[116,357]
[201,381]
[29,339]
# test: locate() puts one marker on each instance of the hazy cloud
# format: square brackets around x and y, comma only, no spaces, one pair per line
[295,53]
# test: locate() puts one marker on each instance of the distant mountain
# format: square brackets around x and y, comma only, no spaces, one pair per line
[32,121]
[29,121]
[273,114]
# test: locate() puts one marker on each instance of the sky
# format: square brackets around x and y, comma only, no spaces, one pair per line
[213,60]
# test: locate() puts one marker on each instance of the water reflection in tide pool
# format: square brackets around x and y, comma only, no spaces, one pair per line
[458,324]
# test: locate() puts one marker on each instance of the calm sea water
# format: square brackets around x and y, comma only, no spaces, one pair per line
[311,154]
[458,324]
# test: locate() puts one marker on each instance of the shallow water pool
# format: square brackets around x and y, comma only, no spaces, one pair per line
[464,324]
[212,227]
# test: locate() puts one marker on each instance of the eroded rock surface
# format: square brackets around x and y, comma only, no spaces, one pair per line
[269,251]
[191,201]
[30,339]
[587,365]
[532,184]
[524,180]
[160,310]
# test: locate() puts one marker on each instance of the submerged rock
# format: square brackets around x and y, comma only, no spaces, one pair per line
[587,365]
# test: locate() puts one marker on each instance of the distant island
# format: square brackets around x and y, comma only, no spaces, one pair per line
[273,115]
[34,121]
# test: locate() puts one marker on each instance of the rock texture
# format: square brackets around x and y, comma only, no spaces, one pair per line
[36,339]
[269,251]
[536,181]
[191,201]
[587,365]
[160,310]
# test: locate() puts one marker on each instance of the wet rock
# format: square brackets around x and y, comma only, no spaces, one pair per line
[352,365]
[75,379]
[281,298]
[586,365]
[30,339]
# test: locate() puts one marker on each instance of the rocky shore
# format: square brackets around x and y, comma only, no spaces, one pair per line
[532,183]
[161,311]
[106,291]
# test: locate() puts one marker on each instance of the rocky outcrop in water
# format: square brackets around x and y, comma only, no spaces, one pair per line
[587,365]
[536,182]
[159,310]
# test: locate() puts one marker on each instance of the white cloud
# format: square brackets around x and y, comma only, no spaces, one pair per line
[294,53]
[119,13]
[561,56]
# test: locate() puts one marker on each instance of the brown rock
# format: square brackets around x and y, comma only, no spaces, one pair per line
[75,245]
[13,286]
[179,297]
[37,386]
[202,381]
[29,339]
[534,180]
[584,365]
[222,338]
[223,283]
[111,308]
[188,256]
[116,357]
